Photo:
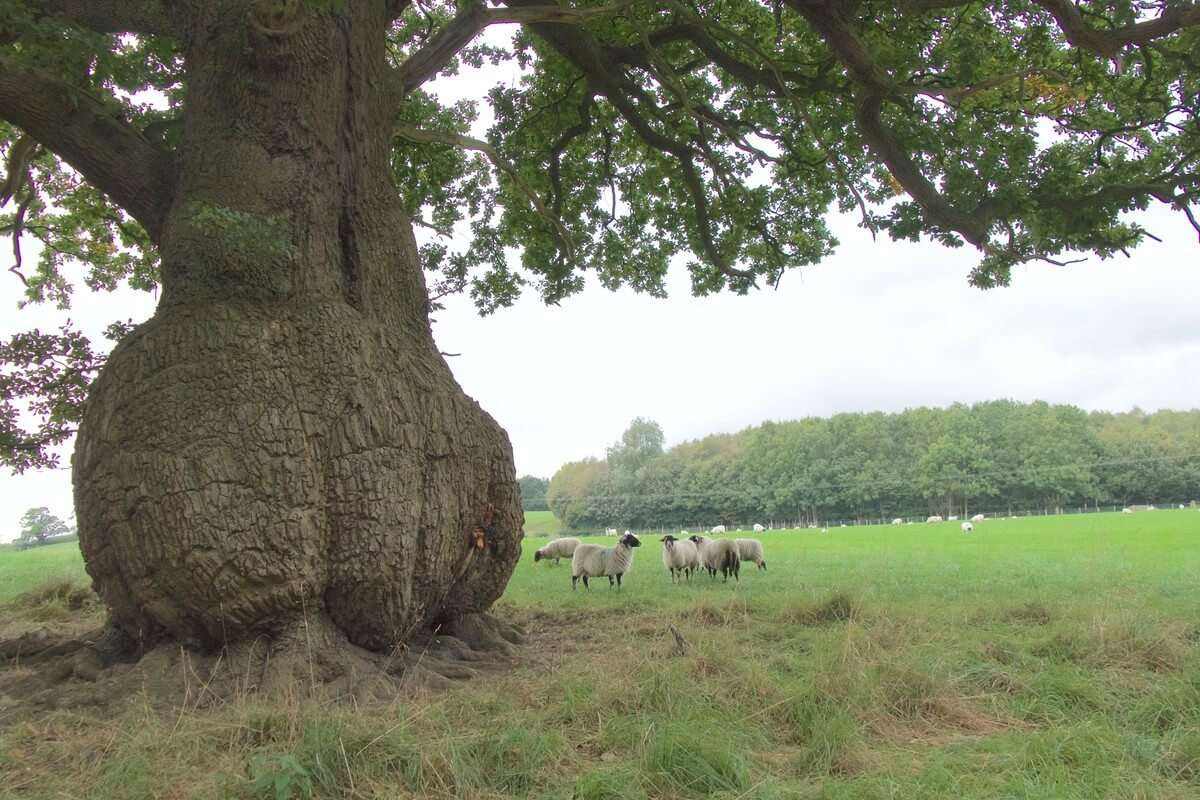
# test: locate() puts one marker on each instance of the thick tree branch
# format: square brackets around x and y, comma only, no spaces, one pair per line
[450,40]
[1085,36]
[93,139]
[109,16]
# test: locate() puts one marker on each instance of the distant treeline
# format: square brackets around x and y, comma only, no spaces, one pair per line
[985,457]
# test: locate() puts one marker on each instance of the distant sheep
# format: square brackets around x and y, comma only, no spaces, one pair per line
[718,555]
[898,521]
[759,528]
[935,518]
[680,557]
[977,518]
[717,530]
[953,517]
[610,531]
[594,561]
[559,548]
[751,550]
[967,527]
[1126,510]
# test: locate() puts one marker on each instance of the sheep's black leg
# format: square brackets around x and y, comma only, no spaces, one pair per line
[610,581]
[762,565]
[618,581]
[585,583]
[575,580]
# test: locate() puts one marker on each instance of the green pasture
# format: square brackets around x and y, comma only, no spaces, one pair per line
[1051,657]
[542,523]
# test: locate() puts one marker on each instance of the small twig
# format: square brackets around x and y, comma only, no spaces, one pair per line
[680,642]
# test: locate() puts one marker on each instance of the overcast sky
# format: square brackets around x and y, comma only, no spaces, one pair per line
[878,326]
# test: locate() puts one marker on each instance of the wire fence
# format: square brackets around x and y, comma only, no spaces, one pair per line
[826,524]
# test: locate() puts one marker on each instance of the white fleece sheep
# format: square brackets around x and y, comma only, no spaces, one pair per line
[718,529]
[594,561]
[610,531]
[898,521]
[935,518]
[718,555]
[559,548]
[967,527]
[977,518]
[751,550]
[759,528]
[680,557]
[1126,510]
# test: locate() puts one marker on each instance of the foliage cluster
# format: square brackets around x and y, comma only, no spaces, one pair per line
[993,455]
[38,525]
[533,493]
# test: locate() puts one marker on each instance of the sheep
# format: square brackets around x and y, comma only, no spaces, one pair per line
[977,518]
[953,518]
[594,561]
[759,528]
[680,556]
[967,527]
[718,554]
[898,521]
[610,531]
[935,518]
[751,550]
[559,548]
[717,529]
[1127,510]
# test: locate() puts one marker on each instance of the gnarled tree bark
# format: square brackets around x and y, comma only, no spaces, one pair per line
[283,437]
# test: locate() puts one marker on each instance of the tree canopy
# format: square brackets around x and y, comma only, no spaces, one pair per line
[38,525]
[717,131]
[989,457]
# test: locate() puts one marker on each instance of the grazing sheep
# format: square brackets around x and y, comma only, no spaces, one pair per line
[953,517]
[680,556]
[751,550]
[935,518]
[1126,510]
[977,518]
[594,561]
[898,521]
[967,527]
[717,529]
[718,554]
[559,548]
[610,531]
[759,528]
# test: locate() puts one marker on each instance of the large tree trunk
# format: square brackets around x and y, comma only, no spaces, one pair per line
[283,438]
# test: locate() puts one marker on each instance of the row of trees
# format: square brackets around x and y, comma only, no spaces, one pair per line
[988,456]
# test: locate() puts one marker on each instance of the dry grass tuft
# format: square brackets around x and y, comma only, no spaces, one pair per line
[838,608]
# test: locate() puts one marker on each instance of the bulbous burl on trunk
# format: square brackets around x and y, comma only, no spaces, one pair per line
[283,437]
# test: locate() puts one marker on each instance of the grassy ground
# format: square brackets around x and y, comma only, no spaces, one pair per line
[542,523]
[1049,657]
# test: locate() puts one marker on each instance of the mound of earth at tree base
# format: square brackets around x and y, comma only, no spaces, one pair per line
[104,673]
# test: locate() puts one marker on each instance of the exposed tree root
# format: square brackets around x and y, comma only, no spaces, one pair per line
[308,659]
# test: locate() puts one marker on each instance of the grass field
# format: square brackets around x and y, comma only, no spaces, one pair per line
[1052,657]
[542,523]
